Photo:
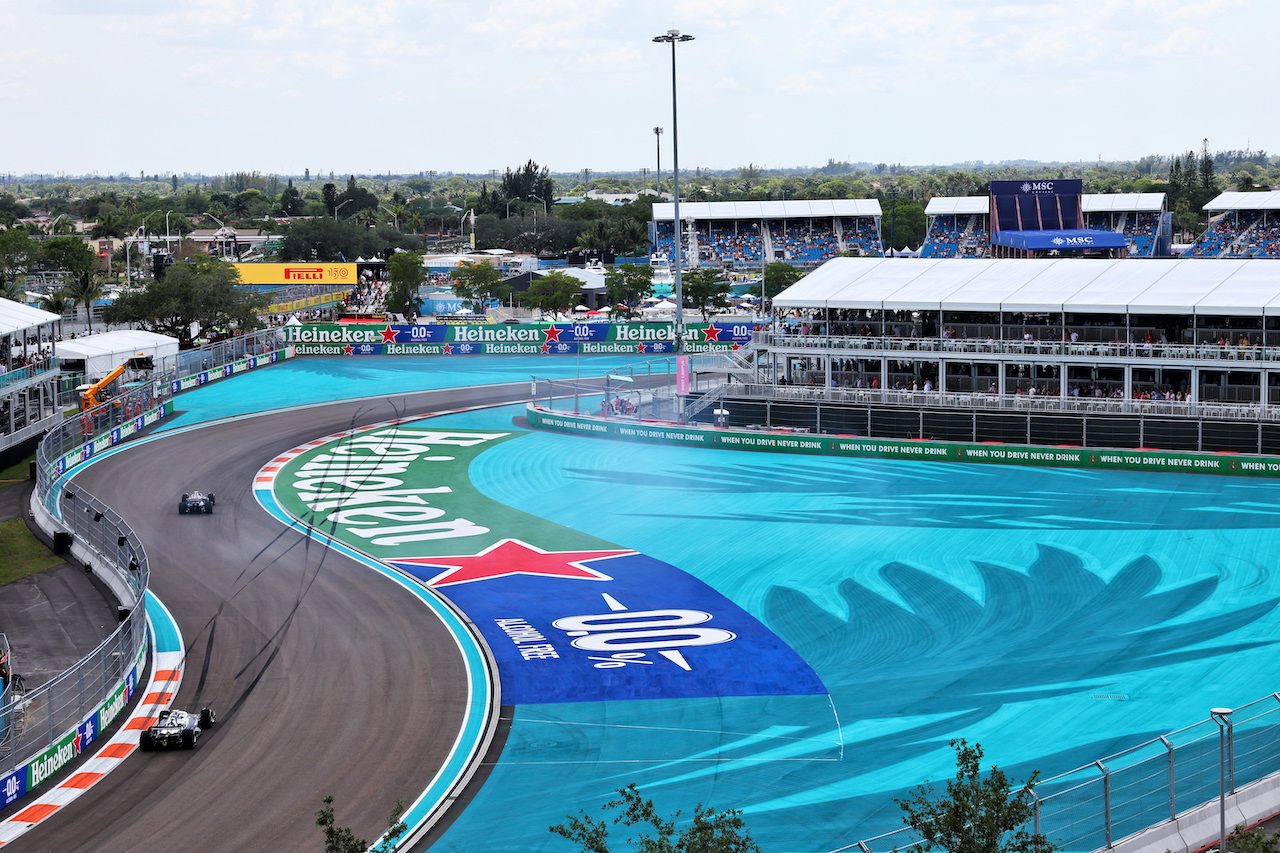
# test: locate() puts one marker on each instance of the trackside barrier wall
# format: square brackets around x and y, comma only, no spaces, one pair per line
[49,726]
[787,441]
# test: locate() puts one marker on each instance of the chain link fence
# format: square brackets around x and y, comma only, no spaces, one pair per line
[1097,805]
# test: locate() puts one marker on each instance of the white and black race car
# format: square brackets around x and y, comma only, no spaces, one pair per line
[176,728]
[196,502]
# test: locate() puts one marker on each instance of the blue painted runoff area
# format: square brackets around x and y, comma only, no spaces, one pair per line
[1053,616]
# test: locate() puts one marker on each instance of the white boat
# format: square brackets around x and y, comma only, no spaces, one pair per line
[663,281]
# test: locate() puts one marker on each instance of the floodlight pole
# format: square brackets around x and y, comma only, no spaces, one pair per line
[672,37]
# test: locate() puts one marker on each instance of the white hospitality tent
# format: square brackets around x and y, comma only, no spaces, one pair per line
[1080,286]
[104,352]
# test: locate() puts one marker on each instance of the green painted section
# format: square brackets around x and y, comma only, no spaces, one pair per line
[1233,464]
[419,492]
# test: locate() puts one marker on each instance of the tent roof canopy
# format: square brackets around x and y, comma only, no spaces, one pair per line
[16,317]
[1092,203]
[1073,285]
[1244,201]
[801,209]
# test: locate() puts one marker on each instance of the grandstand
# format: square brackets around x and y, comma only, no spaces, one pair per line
[746,235]
[1241,225]
[959,226]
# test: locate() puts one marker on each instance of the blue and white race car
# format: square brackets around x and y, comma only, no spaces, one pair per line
[196,502]
[176,728]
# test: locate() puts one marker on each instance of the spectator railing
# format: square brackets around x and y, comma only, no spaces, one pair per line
[22,374]
[943,346]
[1009,402]
[1099,804]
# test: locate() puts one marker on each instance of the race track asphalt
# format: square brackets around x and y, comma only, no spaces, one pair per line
[327,678]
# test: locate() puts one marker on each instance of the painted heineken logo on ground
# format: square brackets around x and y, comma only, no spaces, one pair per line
[568,616]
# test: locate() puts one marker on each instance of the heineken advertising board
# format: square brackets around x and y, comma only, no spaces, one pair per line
[921,451]
[569,617]
[513,339]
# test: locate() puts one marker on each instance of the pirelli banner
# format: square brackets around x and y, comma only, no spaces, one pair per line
[521,339]
[293,274]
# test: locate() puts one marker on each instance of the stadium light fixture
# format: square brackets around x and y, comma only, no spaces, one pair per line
[672,37]
[1222,716]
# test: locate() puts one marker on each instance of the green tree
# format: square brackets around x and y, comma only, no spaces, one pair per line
[555,291]
[71,255]
[406,273]
[84,291]
[202,290]
[290,200]
[18,253]
[710,831]
[706,289]
[329,194]
[976,814]
[778,276]
[627,283]
[475,283]
[340,839]
[56,302]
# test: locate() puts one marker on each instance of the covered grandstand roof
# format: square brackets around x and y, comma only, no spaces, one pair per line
[15,317]
[1083,286]
[1093,203]
[1245,201]
[801,209]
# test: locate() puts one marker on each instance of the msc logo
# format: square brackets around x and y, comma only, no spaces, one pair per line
[1072,241]
[303,273]
[1037,187]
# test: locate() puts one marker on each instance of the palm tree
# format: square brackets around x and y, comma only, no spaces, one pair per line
[14,291]
[85,290]
[366,217]
[56,302]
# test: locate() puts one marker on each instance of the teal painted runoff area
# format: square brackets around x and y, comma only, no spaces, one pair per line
[1053,616]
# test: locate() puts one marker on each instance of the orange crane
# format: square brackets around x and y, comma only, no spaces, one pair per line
[89,399]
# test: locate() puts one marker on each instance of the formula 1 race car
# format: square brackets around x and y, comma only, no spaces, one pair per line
[196,502]
[176,728]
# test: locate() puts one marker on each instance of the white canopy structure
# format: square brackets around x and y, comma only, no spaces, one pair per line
[16,317]
[103,353]
[1244,201]
[800,209]
[1092,203]
[1079,286]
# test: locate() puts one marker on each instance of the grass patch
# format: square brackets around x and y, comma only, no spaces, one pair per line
[21,553]
[17,472]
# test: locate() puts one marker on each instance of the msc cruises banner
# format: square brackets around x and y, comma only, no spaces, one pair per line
[523,339]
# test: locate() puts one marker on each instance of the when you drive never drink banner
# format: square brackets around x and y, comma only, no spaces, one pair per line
[513,339]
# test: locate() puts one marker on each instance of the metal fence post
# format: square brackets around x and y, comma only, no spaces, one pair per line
[1173,808]
[1106,799]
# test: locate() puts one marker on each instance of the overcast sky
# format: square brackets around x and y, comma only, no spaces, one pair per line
[380,86]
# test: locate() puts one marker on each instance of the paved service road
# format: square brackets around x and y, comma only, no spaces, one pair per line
[326,677]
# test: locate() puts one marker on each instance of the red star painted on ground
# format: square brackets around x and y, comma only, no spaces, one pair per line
[552,333]
[348,349]
[546,348]
[710,333]
[389,335]
[513,557]
[641,348]
[448,349]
